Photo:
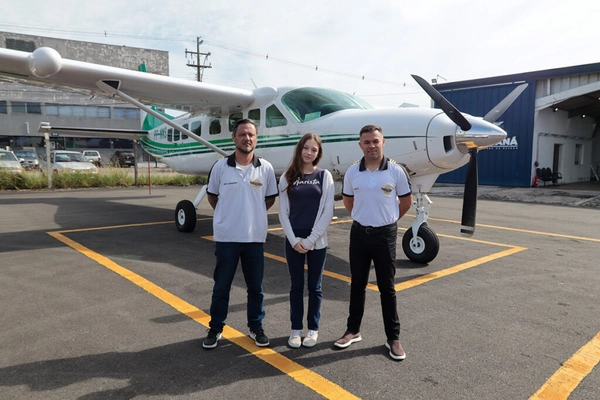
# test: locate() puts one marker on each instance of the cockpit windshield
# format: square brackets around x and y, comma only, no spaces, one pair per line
[306,104]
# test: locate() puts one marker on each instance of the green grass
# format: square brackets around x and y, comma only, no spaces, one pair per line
[107,177]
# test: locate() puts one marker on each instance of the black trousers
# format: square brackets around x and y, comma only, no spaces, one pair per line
[379,246]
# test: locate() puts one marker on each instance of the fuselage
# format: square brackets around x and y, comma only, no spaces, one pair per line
[425,141]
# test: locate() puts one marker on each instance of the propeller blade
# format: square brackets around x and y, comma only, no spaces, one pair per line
[467,225]
[501,107]
[445,105]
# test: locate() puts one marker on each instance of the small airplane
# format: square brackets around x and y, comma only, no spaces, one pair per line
[427,142]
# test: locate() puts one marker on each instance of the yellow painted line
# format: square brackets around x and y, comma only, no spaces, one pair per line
[99,228]
[457,268]
[504,228]
[571,373]
[296,371]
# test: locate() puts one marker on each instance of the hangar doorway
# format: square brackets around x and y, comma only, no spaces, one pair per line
[557,158]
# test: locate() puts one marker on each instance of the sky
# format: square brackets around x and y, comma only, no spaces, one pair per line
[367,48]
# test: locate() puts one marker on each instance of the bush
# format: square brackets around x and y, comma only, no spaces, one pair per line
[107,177]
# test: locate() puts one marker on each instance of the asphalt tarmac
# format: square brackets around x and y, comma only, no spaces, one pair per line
[102,298]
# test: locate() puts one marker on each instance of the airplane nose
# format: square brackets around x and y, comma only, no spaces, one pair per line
[481,135]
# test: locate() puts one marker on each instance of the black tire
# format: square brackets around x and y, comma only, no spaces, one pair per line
[185,216]
[424,249]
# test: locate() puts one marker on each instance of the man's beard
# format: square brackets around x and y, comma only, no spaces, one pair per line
[244,150]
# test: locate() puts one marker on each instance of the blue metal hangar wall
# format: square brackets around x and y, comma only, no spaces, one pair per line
[553,123]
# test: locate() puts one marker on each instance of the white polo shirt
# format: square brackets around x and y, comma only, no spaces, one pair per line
[241,213]
[376,193]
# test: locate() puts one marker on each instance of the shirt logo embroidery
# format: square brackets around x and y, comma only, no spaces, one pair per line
[387,189]
[256,183]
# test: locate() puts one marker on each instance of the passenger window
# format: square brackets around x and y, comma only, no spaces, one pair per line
[254,115]
[176,135]
[215,126]
[196,125]
[183,135]
[275,117]
[232,118]
[170,134]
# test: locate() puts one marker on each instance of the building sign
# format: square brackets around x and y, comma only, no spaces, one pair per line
[509,143]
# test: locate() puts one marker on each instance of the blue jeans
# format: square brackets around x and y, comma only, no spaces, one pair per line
[315,259]
[253,263]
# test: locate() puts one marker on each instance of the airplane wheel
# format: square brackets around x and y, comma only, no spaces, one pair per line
[185,216]
[422,249]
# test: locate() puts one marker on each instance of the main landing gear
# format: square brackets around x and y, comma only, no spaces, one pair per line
[185,212]
[420,243]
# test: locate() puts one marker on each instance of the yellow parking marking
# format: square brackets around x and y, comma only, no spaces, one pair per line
[296,371]
[559,386]
[457,268]
[571,373]
[504,228]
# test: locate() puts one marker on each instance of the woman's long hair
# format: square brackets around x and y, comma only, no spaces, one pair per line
[295,169]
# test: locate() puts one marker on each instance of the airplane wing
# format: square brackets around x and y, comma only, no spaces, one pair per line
[46,67]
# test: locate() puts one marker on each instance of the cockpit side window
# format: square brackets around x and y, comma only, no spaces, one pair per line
[275,117]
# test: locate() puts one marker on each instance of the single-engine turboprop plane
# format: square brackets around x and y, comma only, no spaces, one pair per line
[427,142]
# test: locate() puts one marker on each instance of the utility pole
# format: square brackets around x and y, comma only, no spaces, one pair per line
[200,62]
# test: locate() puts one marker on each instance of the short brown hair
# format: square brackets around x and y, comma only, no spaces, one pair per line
[370,128]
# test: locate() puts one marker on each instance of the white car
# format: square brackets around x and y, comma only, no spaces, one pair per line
[9,162]
[69,161]
[93,156]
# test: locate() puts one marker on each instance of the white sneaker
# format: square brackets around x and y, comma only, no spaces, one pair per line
[295,340]
[311,338]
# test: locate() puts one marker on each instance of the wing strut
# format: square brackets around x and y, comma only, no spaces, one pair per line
[112,87]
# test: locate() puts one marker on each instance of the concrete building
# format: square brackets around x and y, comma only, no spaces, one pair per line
[24,107]
[553,124]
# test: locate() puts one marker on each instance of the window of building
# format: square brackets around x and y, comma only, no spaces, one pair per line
[78,111]
[3,107]
[22,45]
[578,154]
[51,109]
[275,117]
[126,113]
[65,111]
[18,107]
[34,108]
[103,112]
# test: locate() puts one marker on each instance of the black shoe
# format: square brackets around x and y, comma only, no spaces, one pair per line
[260,338]
[211,339]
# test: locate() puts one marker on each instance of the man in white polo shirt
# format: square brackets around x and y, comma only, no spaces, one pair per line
[241,188]
[377,192]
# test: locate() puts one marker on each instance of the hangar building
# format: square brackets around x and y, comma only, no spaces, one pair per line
[553,124]
[24,107]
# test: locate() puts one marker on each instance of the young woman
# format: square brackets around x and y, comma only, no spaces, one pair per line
[305,211]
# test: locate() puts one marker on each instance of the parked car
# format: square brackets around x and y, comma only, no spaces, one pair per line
[123,158]
[30,159]
[9,162]
[69,161]
[93,156]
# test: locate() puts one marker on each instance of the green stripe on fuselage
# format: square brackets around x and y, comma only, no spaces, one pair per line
[270,141]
